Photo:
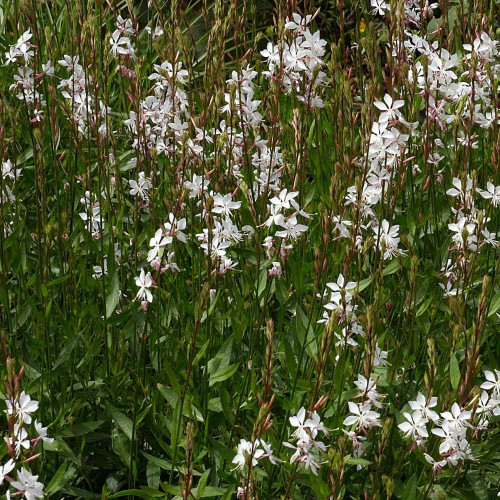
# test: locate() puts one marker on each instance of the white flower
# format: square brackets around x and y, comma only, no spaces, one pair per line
[341,289]
[389,108]
[48,69]
[303,455]
[224,204]
[144,282]
[387,239]
[174,227]
[284,199]
[100,270]
[272,55]
[269,453]
[448,434]
[492,193]
[292,229]
[380,357]
[314,424]
[23,407]
[23,45]
[489,238]
[42,432]
[344,338]
[368,389]
[362,416]
[414,427]
[157,243]
[20,439]
[379,7]
[28,484]
[449,291]
[358,447]
[141,186]
[9,172]
[120,44]
[275,215]
[245,450]
[275,270]
[5,469]
[197,186]
[437,466]
[423,408]
[457,417]
[465,194]
[492,382]
[298,22]
[298,421]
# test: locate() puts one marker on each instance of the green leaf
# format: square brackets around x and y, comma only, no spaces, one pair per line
[145,493]
[392,267]
[223,374]
[203,483]
[176,424]
[160,462]
[228,493]
[173,380]
[25,314]
[201,353]
[221,359]
[262,282]
[227,408]
[410,490]
[112,295]
[454,371]
[364,284]
[495,305]
[123,422]
[67,349]
[291,363]
[25,156]
[60,478]
[59,280]
[172,489]
[424,306]
[153,475]
[478,486]
[82,428]
[209,491]
[121,446]
[357,461]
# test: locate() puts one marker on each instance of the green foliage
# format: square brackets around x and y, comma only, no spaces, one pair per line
[151,402]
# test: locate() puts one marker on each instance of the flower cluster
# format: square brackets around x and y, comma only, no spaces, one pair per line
[9,176]
[159,123]
[79,89]
[362,416]
[250,453]
[296,62]
[92,217]
[387,148]
[469,230]
[22,447]
[120,42]
[307,448]
[454,425]
[26,82]
[164,236]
